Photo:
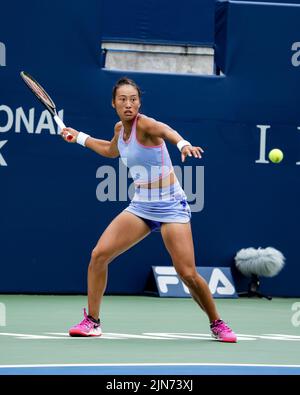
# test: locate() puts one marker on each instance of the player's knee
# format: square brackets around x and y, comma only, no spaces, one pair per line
[99,257]
[188,277]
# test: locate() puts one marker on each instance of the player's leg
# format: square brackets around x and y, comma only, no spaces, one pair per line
[122,233]
[179,243]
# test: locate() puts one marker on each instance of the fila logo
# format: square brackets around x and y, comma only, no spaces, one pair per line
[2,54]
[219,280]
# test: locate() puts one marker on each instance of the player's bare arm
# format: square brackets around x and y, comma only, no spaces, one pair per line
[106,148]
[158,130]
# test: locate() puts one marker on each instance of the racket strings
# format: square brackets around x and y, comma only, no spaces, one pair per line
[39,91]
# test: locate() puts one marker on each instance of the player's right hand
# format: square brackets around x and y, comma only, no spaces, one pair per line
[69,135]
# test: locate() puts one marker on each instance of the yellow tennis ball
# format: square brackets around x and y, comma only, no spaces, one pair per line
[275,155]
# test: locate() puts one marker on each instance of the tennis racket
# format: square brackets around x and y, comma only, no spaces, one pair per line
[44,98]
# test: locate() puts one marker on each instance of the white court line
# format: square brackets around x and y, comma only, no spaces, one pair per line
[117,336]
[280,338]
[279,335]
[64,335]
[150,336]
[192,336]
[126,336]
[26,336]
[150,364]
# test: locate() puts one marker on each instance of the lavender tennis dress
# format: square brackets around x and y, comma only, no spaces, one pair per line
[148,164]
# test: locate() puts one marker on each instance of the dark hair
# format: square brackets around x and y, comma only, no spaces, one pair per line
[125,81]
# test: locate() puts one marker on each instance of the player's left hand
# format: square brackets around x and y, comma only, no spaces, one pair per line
[189,150]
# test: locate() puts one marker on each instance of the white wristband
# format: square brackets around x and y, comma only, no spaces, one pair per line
[182,143]
[81,138]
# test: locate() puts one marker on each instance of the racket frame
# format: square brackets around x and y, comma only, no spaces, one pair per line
[49,103]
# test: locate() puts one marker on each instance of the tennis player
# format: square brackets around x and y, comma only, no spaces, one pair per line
[159,203]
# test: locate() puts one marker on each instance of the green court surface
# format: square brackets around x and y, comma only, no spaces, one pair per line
[147,332]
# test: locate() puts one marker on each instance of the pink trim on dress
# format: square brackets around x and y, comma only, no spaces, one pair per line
[155,179]
[149,146]
[162,163]
[146,146]
[133,130]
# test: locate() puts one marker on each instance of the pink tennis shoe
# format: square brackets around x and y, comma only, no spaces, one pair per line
[87,327]
[222,332]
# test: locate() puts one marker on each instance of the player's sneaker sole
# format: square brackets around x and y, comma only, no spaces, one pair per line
[225,340]
[79,333]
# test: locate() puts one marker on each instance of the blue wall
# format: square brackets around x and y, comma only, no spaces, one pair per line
[46,238]
[159,21]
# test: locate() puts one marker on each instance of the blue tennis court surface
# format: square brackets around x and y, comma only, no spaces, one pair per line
[193,369]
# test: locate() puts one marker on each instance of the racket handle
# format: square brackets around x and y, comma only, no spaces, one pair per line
[60,123]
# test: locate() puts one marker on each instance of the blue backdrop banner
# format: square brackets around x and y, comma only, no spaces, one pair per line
[157,21]
[238,198]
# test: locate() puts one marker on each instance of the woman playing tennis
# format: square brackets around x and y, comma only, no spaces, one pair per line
[159,202]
